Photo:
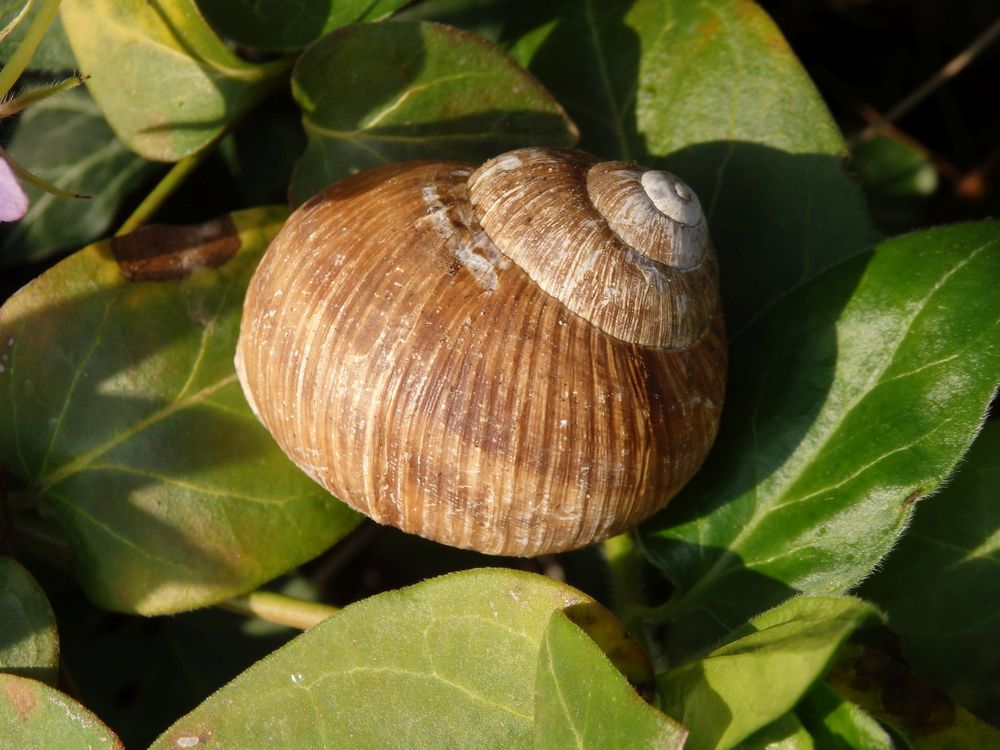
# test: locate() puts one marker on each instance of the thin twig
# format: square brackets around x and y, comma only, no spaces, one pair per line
[166,187]
[955,66]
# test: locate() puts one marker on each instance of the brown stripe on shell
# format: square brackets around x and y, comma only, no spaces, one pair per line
[452,396]
[535,206]
[163,253]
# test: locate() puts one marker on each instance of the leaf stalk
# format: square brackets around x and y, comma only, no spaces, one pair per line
[280,609]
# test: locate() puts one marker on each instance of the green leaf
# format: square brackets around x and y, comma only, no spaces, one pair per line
[377,93]
[761,672]
[449,662]
[848,400]
[924,716]
[939,585]
[29,645]
[898,177]
[52,54]
[139,673]
[167,85]
[486,18]
[837,723]
[711,91]
[582,701]
[65,141]
[32,714]
[119,405]
[785,733]
[274,25]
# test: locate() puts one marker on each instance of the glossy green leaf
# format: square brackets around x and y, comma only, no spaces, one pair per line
[921,714]
[839,724]
[119,405]
[166,84]
[583,701]
[376,93]
[450,662]
[898,177]
[761,672]
[29,645]
[52,54]
[848,400]
[711,91]
[785,733]
[65,141]
[32,714]
[939,585]
[275,25]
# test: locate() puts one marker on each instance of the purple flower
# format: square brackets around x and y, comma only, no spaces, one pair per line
[13,201]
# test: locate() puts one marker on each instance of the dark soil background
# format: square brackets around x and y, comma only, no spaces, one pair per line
[867,56]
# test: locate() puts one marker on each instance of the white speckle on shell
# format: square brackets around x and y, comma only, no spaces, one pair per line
[672,197]
[481,259]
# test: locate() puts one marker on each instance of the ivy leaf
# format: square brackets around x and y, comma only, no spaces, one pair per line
[29,645]
[848,400]
[273,25]
[377,93]
[939,584]
[450,662]
[761,672]
[67,142]
[583,701]
[32,714]
[140,673]
[166,83]
[838,723]
[711,91]
[119,406]
[784,733]
[898,177]
[924,716]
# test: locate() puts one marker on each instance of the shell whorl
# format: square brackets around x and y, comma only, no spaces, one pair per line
[626,249]
[411,354]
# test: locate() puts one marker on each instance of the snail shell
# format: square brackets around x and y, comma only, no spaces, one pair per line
[521,358]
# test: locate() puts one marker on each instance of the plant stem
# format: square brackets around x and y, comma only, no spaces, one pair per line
[37,181]
[171,181]
[280,609]
[22,55]
[625,571]
[11,107]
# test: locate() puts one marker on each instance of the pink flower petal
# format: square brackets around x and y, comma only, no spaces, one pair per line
[13,201]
